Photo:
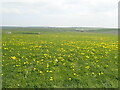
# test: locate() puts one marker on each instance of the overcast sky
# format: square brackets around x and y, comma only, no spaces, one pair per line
[100,13]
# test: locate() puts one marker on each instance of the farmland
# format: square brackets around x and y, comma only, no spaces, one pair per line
[59,58]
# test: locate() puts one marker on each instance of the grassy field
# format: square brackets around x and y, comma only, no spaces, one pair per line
[58,58]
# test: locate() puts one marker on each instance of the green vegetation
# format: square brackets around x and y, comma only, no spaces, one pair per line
[58,58]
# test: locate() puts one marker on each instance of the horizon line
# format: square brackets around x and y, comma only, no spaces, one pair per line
[53,26]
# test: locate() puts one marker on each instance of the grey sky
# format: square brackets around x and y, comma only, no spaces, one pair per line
[101,13]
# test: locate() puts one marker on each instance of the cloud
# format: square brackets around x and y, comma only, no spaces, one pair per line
[75,6]
[64,12]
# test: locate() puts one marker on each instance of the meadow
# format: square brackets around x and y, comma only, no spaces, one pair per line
[59,58]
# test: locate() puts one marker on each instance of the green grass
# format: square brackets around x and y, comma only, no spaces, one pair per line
[59,59]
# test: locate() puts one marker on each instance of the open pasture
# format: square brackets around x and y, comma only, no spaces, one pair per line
[58,58]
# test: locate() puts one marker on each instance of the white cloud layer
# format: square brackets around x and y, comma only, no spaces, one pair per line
[102,13]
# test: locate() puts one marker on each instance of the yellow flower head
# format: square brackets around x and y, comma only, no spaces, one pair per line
[47,70]
[41,72]
[87,67]
[51,78]
[87,57]
[74,73]
[50,71]
[13,57]
[69,78]
[93,73]
[35,68]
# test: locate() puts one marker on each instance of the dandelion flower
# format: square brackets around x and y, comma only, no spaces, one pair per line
[93,73]
[40,71]
[13,57]
[74,73]
[69,78]
[87,67]
[50,71]
[51,78]
[35,68]
[87,57]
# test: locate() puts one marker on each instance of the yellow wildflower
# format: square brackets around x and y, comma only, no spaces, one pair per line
[69,78]
[74,73]
[35,68]
[87,57]
[40,71]
[51,78]
[93,73]
[87,67]
[50,71]
[13,57]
